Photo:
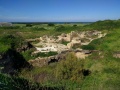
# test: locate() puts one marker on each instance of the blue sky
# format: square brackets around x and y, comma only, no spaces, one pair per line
[58,10]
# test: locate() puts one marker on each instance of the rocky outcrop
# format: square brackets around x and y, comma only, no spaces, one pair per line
[80,54]
[24,47]
[47,60]
[116,54]
[32,40]
[12,62]
[76,39]
[70,40]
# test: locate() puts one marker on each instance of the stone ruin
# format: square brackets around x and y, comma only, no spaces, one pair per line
[53,43]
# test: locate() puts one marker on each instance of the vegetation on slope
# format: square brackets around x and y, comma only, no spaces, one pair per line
[17,83]
[9,42]
[68,73]
[102,68]
[103,25]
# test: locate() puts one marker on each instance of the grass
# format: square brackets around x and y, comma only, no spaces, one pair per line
[64,42]
[28,54]
[41,54]
[104,68]
[51,75]
[4,48]
[18,83]
[38,30]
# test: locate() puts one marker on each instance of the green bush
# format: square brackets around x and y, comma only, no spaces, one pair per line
[27,54]
[38,29]
[70,69]
[15,83]
[64,42]
[18,83]
[66,29]
[75,25]
[60,28]
[4,48]
[88,47]
[10,42]
[10,27]
[51,24]
[29,25]
[13,40]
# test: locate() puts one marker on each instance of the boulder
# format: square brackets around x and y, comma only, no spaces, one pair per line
[24,47]
[87,51]
[116,54]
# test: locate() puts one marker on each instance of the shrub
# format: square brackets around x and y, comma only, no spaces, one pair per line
[15,83]
[60,28]
[51,24]
[27,54]
[75,25]
[10,27]
[12,40]
[38,29]
[88,47]
[70,69]
[18,83]
[64,42]
[4,48]
[29,25]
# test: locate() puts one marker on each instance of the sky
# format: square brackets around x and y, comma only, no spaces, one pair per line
[58,10]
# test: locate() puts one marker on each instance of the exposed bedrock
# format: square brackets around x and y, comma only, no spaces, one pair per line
[80,54]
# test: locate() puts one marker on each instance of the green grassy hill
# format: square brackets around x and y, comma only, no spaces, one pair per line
[104,67]
[99,71]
